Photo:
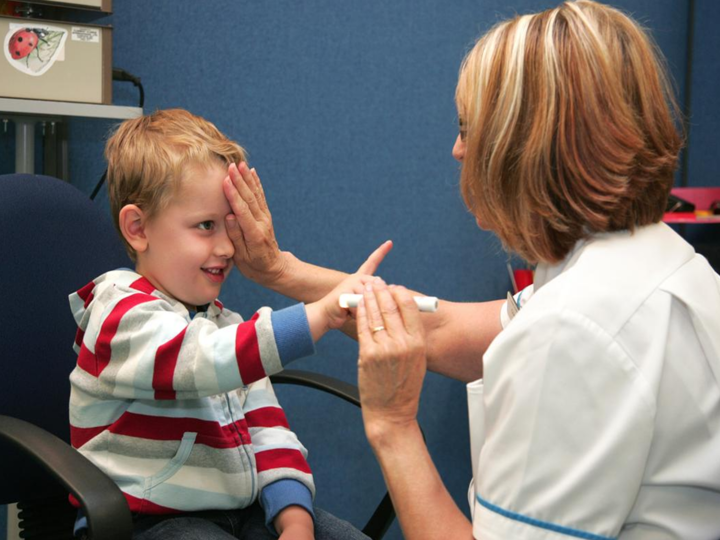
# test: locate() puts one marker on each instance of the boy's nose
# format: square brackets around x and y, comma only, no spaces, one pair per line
[223,246]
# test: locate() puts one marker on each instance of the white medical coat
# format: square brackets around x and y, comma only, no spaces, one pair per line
[599,413]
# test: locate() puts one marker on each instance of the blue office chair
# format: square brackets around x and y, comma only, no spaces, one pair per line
[54,239]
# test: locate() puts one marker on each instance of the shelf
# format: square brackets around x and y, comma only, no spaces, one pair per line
[36,107]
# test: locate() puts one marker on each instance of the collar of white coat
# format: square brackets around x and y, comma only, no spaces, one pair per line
[645,246]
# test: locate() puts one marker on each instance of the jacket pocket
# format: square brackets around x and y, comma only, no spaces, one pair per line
[174,465]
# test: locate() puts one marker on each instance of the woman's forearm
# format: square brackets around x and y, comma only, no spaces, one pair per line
[303,281]
[458,335]
[423,505]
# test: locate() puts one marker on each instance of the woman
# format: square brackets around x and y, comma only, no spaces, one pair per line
[598,415]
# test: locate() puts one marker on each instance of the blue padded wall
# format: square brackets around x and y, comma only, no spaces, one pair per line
[346,109]
[705,114]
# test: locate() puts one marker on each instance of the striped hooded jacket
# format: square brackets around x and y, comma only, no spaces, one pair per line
[177,408]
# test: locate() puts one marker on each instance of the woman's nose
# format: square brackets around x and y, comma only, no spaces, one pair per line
[458,150]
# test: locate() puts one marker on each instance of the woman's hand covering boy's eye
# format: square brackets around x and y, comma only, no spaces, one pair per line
[250,226]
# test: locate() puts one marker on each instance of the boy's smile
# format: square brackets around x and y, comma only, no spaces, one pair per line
[188,254]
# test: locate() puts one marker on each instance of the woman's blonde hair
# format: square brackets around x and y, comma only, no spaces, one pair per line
[570,128]
[148,156]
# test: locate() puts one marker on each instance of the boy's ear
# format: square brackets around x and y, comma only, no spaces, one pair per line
[132,225]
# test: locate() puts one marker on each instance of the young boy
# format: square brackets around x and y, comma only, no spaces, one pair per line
[170,396]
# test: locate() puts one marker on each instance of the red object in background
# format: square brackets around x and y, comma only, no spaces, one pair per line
[523,278]
[702,198]
[7,9]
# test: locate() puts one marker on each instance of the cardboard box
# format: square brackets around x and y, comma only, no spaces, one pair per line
[57,61]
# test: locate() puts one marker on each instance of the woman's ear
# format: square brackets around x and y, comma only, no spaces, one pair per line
[132,225]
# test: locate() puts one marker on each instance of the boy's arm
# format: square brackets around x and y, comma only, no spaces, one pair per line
[284,476]
[132,345]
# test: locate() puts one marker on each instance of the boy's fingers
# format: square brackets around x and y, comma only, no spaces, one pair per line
[372,263]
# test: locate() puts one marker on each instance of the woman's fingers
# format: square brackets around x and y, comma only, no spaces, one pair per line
[408,310]
[244,183]
[388,309]
[374,317]
[363,329]
[259,192]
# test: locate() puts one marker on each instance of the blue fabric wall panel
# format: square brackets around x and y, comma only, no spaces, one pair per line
[704,152]
[346,109]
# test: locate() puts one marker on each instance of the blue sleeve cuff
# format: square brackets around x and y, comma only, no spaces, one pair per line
[81,523]
[292,333]
[281,494]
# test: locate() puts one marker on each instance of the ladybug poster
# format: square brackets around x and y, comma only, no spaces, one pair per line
[34,49]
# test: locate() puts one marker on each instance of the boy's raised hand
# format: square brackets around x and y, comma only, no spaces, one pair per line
[250,226]
[326,314]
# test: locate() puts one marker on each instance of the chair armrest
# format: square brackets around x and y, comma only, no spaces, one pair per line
[105,506]
[329,385]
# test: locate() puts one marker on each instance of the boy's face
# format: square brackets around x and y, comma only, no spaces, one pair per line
[189,254]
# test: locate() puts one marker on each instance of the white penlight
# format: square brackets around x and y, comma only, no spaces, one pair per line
[427,304]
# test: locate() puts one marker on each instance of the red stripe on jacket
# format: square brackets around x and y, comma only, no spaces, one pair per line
[247,352]
[166,358]
[143,285]
[103,350]
[165,428]
[86,291]
[281,458]
[79,335]
[79,436]
[86,294]
[267,417]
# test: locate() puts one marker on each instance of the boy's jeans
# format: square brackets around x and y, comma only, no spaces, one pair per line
[228,524]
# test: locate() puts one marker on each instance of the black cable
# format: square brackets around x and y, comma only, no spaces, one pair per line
[120,74]
[98,186]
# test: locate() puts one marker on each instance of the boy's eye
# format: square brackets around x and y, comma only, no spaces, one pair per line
[206,225]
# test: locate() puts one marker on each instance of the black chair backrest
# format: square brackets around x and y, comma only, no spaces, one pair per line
[53,240]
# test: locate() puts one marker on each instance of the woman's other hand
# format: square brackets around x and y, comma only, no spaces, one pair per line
[392,361]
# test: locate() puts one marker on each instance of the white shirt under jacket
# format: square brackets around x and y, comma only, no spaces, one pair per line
[601,399]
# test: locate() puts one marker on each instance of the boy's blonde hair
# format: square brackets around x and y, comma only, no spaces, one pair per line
[148,156]
[570,125]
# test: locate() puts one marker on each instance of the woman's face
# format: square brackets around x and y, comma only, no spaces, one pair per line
[458,153]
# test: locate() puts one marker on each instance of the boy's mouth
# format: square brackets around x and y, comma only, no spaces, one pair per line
[215,274]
